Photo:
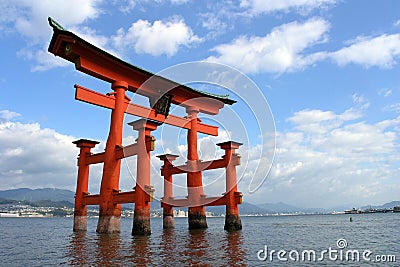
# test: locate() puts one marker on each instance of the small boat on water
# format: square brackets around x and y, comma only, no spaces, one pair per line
[352,211]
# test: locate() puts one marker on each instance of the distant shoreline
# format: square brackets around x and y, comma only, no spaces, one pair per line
[5,215]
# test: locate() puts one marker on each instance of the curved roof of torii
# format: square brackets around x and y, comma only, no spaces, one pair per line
[96,62]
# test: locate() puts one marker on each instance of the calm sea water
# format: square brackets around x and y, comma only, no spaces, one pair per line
[50,241]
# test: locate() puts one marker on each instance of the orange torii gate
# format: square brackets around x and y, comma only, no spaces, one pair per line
[161,93]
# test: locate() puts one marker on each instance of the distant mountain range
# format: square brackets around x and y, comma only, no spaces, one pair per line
[38,194]
[389,205]
[61,197]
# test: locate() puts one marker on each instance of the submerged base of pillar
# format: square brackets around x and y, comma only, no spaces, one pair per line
[109,224]
[80,223]
[141,222]
[168,222]
[233,223]
[197,220]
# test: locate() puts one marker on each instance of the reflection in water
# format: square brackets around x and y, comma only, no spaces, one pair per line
[233,248]
[176,247]
[108,247]
[195,247]
[141,254]
[103,250]
[50,242]
[168,246]
[200,248]
[78,249]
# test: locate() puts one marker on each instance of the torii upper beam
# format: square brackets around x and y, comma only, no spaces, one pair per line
[102,65]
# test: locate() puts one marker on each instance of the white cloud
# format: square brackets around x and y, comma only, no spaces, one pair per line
[321,122]
[214,24]
[126,6]
[219,18]
[277,52]
[256,7]
[43,59]
[380,51]
[283,49]
[315,121]
[357,99]
[30,17]
[327,159]
[157,38]
[179,2]
[7,115]
[35,157]
[385,92]
[392,107]
[312,116]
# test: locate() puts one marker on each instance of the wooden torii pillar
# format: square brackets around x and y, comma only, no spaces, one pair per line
[110,213]
[168,213]
[196,213]
[141,215]
[82,183]
[161,92]
[232,217]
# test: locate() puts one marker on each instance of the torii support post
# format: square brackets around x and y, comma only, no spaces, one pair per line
[145,142]
[196,213]
[232,218]
[82,184]
[110,213]
[168,213]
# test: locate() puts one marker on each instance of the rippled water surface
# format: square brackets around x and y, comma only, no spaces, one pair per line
[50,241]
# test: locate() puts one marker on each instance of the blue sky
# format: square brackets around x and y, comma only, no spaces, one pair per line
[328,69]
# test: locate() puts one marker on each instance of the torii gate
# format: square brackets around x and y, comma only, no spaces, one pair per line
[161,93]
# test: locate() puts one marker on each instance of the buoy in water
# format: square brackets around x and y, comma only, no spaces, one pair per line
[351,219]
